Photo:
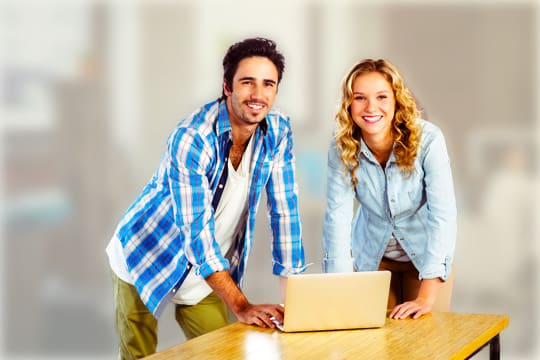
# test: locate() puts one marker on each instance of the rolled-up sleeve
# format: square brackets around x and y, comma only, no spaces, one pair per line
[192,200]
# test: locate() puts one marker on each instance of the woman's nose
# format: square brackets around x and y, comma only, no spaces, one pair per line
[370,105]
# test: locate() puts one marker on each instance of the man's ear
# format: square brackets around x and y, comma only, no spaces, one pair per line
[226,89]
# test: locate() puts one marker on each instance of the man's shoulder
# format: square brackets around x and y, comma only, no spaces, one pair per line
[277,115]
[278,122]
[201,120]
[201,116]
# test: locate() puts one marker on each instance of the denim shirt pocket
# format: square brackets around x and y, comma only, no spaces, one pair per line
[361,190]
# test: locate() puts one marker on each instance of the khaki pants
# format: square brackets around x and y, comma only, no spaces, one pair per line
[405,284]
[137,327]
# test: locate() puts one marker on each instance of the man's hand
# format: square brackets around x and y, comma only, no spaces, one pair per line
[260,315]
[224,286]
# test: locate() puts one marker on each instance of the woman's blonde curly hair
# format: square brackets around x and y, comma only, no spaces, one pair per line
[405,128]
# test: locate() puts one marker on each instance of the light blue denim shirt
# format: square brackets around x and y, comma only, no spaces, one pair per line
[420,210]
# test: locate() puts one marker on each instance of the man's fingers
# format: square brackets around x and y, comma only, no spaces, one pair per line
[266,319]
[256,321]
[260,315]
[277,312]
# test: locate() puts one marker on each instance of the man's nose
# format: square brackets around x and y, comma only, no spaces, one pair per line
[256,91]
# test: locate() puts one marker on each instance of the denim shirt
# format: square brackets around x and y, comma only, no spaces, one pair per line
[419,209]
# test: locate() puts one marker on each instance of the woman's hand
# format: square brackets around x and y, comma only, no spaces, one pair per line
[415,308]
[422,304]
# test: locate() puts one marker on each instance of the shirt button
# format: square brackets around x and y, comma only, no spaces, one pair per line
[402,239]
[392,200]
[413,254]
[220,186]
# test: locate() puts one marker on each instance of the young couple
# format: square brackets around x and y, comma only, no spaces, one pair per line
[187,237]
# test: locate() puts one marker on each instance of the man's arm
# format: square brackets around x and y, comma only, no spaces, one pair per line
[282,199]
[190,156]
[224,286]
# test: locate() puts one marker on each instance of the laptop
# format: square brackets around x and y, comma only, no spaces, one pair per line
[335,301]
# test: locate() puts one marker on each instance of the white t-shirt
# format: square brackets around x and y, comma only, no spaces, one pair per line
[394,251]
[227,225]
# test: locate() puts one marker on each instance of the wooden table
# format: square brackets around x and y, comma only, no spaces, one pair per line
[434,336]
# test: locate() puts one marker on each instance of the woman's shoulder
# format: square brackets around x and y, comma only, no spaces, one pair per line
[431,136]
[429,131]
[427,126]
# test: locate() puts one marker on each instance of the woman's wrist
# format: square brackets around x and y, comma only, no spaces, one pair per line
[428,290]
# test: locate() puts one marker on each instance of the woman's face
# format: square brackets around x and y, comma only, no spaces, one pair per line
[373,104]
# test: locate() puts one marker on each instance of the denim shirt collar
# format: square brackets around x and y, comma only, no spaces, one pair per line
[365,150]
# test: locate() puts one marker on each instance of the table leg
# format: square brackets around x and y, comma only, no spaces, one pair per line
[495,348]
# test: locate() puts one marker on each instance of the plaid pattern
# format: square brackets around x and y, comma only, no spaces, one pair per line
[170,226]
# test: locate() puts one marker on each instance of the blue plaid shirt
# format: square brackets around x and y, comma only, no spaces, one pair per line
[170,226]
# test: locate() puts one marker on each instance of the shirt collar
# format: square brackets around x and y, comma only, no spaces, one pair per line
[368,154]
[223,123]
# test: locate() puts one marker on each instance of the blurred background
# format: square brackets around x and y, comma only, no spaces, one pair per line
[89,91]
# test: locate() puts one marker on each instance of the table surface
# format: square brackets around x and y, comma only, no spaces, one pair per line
[434,336]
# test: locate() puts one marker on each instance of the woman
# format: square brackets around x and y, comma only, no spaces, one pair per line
[397,167]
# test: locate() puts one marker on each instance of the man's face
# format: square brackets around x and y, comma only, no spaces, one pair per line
[254,88]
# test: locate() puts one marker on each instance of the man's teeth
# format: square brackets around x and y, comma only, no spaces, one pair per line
[255,106]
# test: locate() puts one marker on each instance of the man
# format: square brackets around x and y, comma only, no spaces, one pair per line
[187,237]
